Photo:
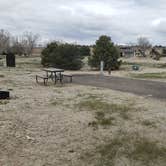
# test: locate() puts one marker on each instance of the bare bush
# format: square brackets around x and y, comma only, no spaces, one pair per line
[4,41]
[29,42]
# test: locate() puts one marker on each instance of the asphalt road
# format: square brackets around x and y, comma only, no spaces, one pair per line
[139,87]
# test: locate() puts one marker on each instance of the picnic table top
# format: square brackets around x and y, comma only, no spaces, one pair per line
[52,69]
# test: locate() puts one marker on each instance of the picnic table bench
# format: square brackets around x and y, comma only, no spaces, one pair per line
[44,78]
[68,75]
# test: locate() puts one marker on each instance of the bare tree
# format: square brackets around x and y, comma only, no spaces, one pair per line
[144,43]
[4,41]
[23,44]
[29,41]
[17,46]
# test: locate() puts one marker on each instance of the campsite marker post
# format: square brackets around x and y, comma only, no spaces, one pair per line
[101,68]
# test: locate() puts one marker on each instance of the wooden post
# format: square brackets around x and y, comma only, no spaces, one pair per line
[109,70]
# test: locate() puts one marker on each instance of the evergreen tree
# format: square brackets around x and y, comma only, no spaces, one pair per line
[104,50]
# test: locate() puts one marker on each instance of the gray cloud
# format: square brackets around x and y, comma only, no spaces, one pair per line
[83,21]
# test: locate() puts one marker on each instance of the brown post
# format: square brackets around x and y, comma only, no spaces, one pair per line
[109,71]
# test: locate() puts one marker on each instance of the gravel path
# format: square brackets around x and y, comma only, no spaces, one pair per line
[140,87]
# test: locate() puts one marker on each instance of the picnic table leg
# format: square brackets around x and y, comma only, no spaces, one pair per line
[36,80]
[61,78]
[45,81]
[71,79]
[46,73]
[52,76]
[55,77]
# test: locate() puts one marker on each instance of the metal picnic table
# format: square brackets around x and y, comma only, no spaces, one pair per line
[54,73]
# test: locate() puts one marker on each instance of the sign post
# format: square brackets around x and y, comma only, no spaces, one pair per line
[102,67]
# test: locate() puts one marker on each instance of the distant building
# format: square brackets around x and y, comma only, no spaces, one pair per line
[126,51]
[136,51]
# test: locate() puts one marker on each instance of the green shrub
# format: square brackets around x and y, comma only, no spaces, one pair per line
[66,56]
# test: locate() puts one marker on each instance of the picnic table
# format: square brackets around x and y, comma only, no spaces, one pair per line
[54,73]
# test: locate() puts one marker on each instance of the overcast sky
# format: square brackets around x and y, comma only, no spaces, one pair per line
[83,21]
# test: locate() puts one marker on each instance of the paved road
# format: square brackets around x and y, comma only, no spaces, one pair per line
[140,87]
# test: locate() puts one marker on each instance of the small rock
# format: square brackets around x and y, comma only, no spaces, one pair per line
[71,151]
[29,138]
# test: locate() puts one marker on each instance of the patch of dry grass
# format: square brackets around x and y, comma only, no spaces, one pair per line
[94,105]
[2,76]
[161,75]
[104,109]
[129,149]
[4,102]
[148,123]
[102,119]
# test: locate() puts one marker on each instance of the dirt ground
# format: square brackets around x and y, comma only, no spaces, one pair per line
[48,125]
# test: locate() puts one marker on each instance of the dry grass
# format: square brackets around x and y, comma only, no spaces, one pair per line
[4,102]
[148,123]
[2,76]
[104,110]
[161,75]
[49,125]
[102,120]
[129,150]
